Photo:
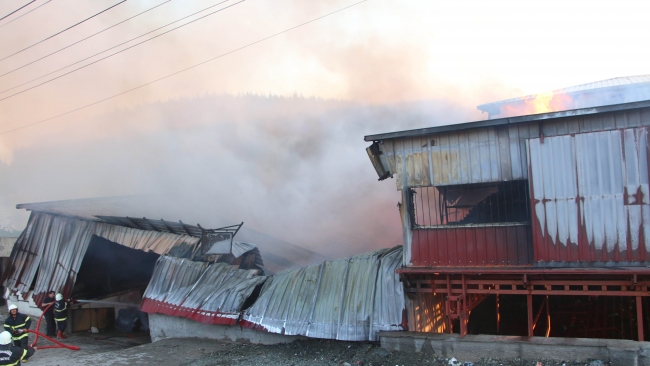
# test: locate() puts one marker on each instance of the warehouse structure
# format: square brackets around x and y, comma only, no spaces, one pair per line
[552,208]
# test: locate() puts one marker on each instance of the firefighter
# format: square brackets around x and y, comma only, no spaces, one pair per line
[60,315]
[12,355]
[17,324]
[49,313]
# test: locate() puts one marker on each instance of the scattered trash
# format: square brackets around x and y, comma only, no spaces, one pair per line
[346,364]
[453,362]
[94,330]
[597,363]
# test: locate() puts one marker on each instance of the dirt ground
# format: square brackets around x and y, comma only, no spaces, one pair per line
[202,352]
[115,348]
[327,352]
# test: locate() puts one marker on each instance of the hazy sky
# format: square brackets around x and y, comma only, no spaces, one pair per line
[378,53]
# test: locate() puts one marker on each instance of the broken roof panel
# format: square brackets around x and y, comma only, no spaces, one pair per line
[346,299]
[57,244]
[123,210]
[216,296]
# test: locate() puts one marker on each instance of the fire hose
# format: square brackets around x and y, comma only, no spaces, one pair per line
[37,333]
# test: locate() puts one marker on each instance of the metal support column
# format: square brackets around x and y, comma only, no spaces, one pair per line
[639,317]
[529,300]
[498,315]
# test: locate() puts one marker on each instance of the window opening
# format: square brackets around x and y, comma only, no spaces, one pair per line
[471,204]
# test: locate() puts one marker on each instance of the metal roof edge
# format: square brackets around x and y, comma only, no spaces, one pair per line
[485,106]
[508,120]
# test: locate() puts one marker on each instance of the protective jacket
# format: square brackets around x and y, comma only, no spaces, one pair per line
[61,311]
[12,355]
[14,325]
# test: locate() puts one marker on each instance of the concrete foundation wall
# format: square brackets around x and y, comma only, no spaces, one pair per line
[165,326]
[473,347]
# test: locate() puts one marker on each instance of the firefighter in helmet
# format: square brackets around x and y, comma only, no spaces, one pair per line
[60,315]
[12,355]
[17,324]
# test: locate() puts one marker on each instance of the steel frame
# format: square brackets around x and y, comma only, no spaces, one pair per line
[464,291]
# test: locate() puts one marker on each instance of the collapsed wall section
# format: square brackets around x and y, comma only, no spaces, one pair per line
[207,293]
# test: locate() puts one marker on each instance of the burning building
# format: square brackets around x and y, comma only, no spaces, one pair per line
[85,250]
[530,225]
[605,92]
[179,273]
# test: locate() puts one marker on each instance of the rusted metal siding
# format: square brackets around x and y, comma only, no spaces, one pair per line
[590,197]
[496,245]
[491,154]
[210,294]
[55,246]
[346,299]
[596,122]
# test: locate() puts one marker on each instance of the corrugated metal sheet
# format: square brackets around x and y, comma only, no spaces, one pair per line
[426,312]
[347,299]
[484,155]
[488,154]
[212,294]
[590,197]
[482,246]
[57,244]
[278,255]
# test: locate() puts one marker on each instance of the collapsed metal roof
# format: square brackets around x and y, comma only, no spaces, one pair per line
[128,211]
[55,245]
[52,247]
[346,299]
[207,293]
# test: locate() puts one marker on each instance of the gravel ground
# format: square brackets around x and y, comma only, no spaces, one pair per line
[326,352]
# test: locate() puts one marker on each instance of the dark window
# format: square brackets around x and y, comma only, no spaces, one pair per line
[471,204]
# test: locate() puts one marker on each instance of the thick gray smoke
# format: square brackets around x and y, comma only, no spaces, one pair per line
[293,168]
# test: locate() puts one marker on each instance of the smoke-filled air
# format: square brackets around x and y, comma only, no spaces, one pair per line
[272,134]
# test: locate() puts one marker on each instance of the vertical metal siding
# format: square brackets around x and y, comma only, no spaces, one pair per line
[590,196]
[55,245]
[477,246]
[346,299]
[474,156]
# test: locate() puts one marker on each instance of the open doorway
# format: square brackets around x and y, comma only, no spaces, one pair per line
[109,287]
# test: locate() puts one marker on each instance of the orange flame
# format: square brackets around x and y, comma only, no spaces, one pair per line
[540,103]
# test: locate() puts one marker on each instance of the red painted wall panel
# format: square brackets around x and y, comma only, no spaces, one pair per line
[472,246]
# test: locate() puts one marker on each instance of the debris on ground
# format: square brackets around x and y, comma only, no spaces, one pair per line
[329,352]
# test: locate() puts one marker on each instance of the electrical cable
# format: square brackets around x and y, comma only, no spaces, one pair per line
[108,49]
[112,54]
[81,40]
[56,34]
[17,9]
[180,71]
[16,18]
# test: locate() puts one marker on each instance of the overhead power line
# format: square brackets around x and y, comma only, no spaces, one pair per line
[16,18]
[114,53]
[79,41]
[17,9]
[180,71]
[56,34]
